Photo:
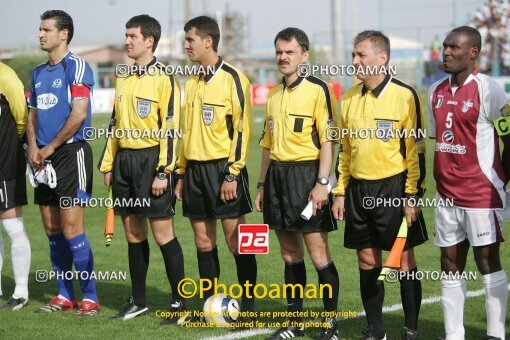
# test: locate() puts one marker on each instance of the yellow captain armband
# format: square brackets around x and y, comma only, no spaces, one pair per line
[502,125]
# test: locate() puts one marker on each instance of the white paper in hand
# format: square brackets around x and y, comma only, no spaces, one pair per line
[307,213]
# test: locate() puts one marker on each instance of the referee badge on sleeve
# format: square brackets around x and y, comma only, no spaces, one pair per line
[143,107]
[271,124]
[207,114]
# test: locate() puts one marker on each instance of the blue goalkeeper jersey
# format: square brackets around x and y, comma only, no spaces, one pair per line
[52,91]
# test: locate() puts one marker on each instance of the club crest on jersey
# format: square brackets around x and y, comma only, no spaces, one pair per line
[143,107]
[448,137]
[439,101]
[466,105]
[384,130]
[271,124]
[57,83]
[207,114]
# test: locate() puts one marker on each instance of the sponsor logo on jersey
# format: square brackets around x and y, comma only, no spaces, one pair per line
[452,102]
[46,101]
[447,145]
[466,105]
[143,107]
[37,85]
[57,83]
[487,233]
[207,114]
[447,137]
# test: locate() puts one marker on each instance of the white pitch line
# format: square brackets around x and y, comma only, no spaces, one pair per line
[387,309]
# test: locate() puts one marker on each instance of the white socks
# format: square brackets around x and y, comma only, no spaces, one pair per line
[496,297]
[453,294]
[20,255]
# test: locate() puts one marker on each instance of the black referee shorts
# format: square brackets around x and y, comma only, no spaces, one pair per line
[202,191]
[73,167]
[286,191]
[369,226]
[134,171]
[13,187]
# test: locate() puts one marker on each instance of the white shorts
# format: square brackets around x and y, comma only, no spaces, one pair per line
[481,226]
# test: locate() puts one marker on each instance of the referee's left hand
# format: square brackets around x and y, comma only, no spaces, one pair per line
[410,213]
[319,196]
[228,191]
[159,186]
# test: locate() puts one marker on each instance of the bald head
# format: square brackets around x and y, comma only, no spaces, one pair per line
[474,39]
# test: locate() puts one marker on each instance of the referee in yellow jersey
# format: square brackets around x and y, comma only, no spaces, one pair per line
[381,157]
[296,160]
[213,181]
[13,191]
[146,100]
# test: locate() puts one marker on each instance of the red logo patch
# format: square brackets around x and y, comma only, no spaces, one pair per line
[253,239]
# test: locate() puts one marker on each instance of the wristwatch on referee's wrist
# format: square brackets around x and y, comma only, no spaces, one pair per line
[323,180]
[412,199]
[162,176]
[230,178]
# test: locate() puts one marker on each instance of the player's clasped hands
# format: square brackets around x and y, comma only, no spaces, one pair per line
[36,156]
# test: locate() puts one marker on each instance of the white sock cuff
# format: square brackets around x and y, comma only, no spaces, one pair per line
[453,283]
[496,279]
[13,225]
[21,280]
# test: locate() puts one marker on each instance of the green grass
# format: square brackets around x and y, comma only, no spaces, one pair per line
[26,324]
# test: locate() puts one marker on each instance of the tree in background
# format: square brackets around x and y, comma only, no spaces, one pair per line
[23,65]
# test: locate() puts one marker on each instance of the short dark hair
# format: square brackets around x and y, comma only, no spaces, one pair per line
[292,32]
[63,21]
[377,38]
[205,26]
[149,27]
[475,39]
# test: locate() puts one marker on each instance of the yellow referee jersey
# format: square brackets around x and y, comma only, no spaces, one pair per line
[12,99]
[216,122]
[148,102]
[298,117]
[381,135]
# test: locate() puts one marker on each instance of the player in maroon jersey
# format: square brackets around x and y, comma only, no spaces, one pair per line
[471,173]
